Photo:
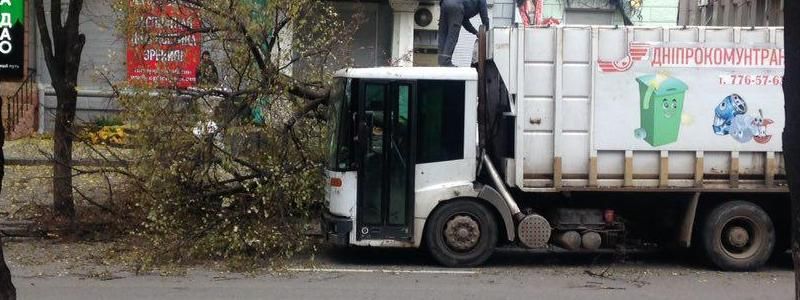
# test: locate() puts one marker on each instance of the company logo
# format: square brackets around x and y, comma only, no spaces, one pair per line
[636,52]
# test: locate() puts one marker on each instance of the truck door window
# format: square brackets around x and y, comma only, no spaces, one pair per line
[375,95]
[440,133]
[341,134]
[399,158]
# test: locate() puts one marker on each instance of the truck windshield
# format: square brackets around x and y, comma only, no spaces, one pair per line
[341,149]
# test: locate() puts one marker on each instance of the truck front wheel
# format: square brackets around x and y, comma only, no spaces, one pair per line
[738,236]
[461,233]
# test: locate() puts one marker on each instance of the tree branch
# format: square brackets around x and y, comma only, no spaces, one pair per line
[44,34]
[302,113]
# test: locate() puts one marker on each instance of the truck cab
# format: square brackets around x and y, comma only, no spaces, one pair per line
[401,141]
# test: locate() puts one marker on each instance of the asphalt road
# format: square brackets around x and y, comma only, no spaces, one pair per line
[408,274]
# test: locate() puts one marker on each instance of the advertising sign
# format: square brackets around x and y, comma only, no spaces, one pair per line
[167,52]
[12,38]
[691,96]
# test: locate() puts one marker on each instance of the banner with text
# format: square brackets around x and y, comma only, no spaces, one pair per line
[691,96]
[12,38]
[166,52]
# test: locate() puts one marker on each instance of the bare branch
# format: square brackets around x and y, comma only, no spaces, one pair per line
[302,113]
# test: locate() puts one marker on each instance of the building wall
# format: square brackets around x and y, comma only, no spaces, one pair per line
[504,13]
[104,55]
[652,12]
[372,41]
[658,12]
[501,14]
[731,13]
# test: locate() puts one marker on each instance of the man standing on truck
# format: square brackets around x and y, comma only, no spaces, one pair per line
[456,13]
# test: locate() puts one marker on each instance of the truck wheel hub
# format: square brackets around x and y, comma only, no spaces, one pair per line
[462,233]
[738,237]
[741,238]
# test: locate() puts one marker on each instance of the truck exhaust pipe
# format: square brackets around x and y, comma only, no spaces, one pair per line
[482,132]
[533,231]
[501,187]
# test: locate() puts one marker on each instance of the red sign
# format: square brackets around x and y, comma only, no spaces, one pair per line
[166,52]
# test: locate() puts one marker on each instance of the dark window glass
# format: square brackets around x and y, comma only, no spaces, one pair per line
[440,130]
[398,157]
[375,99]
[341,138]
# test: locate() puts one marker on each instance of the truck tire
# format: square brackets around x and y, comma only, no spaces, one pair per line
[461,233]
[738,236]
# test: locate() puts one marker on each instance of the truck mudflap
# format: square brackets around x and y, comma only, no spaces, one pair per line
[336,230]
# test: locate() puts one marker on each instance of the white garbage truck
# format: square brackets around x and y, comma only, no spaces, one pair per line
[568,138]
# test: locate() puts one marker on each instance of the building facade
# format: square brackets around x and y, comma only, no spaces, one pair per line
[403,32]
[391,32]
[605,12]
[388,35]
[731,12]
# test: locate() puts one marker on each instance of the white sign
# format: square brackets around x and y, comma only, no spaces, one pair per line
[691,98]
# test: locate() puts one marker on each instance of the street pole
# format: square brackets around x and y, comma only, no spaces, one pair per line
[791,132]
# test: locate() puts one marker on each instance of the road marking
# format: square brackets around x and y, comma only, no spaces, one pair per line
[446,272]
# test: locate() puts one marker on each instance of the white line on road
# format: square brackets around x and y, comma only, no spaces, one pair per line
[447,272]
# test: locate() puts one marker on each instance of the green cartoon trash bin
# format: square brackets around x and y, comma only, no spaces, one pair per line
[661,107]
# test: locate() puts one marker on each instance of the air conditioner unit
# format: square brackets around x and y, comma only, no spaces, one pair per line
[427,17]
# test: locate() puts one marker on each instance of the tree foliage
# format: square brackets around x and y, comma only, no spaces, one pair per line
[234,170]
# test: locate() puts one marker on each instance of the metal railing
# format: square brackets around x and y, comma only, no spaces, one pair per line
[21,102]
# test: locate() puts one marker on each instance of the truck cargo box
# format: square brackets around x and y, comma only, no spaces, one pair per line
[636,108]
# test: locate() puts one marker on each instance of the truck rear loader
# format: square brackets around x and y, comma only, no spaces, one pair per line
[568,138]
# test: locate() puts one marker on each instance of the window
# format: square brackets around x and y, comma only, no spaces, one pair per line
[440,129]
[341,149]
[589,17]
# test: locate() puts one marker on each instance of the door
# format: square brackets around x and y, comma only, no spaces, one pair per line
[386,152]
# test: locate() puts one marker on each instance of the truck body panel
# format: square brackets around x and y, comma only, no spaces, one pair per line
[636,108]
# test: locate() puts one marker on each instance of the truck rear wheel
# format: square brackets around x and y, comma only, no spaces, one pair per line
[738,236]
[461,233]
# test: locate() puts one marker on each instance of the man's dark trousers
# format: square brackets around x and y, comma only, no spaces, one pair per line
[452,15]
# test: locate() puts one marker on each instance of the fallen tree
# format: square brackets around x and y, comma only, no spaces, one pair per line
[234,170]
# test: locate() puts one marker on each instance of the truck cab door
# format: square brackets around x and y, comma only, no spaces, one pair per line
[387,139]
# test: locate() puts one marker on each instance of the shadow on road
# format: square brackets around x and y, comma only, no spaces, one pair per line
[506,258]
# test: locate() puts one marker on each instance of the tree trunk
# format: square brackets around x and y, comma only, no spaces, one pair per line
[7,289]
[791,133]
[63,203]
[62,55]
